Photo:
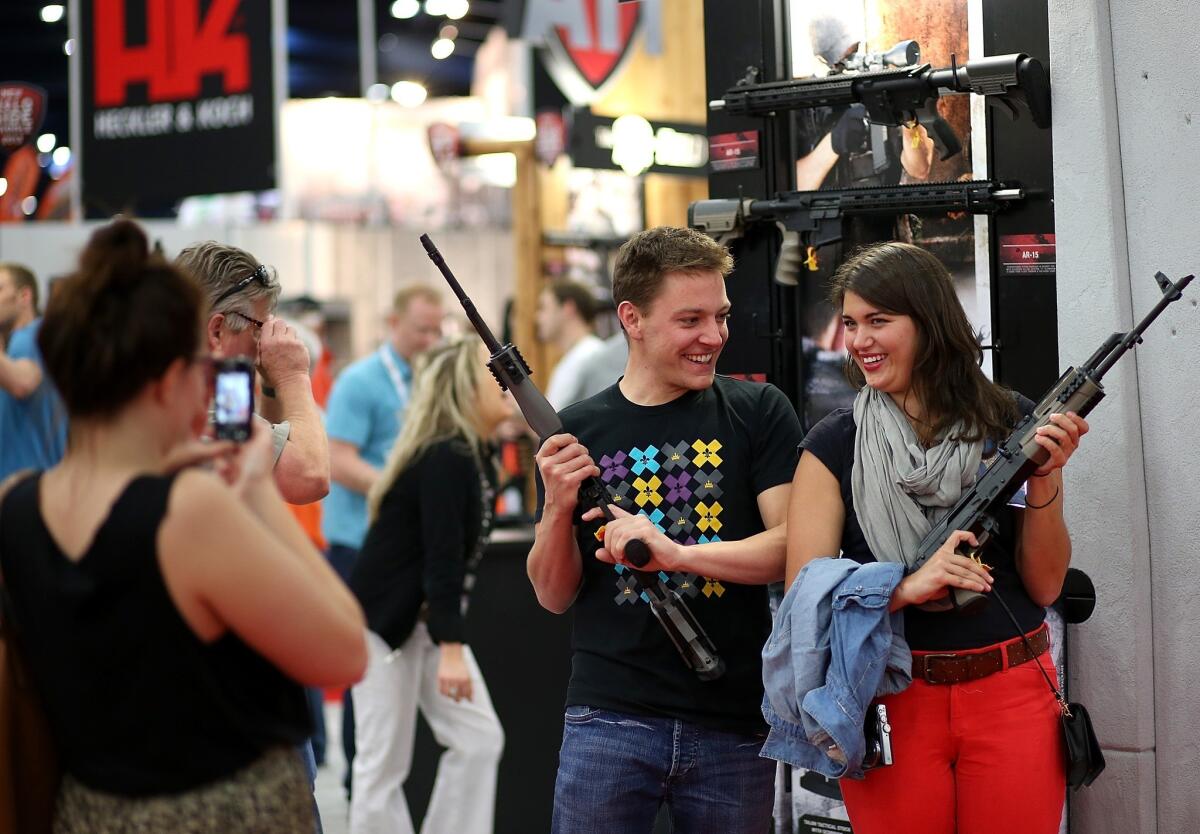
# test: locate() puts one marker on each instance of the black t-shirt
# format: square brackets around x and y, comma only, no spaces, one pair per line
[832,442]
[431,528]
[695,466]
[137,703]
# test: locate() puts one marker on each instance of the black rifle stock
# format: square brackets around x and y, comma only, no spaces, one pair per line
[812,219]
[899,96]
[1079,390]
[512,373]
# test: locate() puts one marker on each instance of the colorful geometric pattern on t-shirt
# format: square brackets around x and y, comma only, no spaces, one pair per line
[678,487]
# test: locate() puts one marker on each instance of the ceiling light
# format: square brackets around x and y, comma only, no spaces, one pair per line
[29,205]
[405,9]
[378,92]
[449,32]
[435,7]
[52,13]
[69,46]
[408,93]
[46,142]
[455,9]
[62,156]
[442,48]
[3,186]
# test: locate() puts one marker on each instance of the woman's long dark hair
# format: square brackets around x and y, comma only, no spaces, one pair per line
[906,280]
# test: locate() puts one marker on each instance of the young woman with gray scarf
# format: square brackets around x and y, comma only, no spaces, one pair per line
[976,740]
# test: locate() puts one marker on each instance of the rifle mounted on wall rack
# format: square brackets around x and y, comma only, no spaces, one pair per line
[812,219]
[899,96]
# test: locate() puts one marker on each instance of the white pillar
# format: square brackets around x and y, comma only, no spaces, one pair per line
[1126,176]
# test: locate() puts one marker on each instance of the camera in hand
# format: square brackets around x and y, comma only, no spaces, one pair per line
[878,734]
[233,399]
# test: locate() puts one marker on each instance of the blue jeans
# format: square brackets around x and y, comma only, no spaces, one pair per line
[618,769]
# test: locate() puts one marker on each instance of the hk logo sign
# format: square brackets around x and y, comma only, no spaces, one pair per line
[170,67]
[181,47]
[587,42]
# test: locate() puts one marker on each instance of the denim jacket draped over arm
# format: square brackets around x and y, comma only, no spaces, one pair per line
[834,648]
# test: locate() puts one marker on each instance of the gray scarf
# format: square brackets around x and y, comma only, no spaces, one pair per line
[900,488]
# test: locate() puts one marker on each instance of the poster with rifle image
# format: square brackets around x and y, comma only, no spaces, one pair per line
[839,148]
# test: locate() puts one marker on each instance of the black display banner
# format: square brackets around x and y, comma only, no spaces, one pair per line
[178,99]
[635,145]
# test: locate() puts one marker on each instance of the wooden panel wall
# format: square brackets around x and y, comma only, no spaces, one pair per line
[668,87]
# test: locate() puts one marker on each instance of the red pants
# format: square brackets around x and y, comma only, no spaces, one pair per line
[977,757]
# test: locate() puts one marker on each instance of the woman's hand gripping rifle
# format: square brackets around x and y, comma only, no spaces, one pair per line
[512,373]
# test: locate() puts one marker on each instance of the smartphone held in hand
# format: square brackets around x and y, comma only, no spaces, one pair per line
[233,399]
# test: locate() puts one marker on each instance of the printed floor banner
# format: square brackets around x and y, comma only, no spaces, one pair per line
[177,98]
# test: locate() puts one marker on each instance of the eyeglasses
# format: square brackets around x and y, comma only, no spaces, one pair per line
[259,275]
[258,325]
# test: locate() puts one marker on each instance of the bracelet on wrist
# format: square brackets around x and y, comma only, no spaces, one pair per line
[1053,498]
[268,391]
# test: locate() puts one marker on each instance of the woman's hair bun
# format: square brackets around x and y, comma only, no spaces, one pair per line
[116,254]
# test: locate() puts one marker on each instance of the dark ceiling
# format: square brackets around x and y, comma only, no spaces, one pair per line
[322,39]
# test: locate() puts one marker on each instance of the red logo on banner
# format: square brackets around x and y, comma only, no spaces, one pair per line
[581,69]
[21,172]
[181,48]
[551,140]
[445,143]
[592,61]
[22,108]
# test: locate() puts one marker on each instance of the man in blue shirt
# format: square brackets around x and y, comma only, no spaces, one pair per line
[33,423]
[363,418]
[364,415]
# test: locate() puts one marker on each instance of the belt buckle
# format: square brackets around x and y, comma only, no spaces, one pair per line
[929,666]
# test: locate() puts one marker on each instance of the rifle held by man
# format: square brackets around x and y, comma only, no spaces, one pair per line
[512,373]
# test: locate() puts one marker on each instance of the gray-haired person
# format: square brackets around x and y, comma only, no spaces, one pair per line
[241,294]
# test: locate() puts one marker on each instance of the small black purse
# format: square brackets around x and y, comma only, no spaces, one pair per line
[1085,759]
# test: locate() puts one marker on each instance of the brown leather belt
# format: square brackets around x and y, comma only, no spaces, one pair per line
[959,667]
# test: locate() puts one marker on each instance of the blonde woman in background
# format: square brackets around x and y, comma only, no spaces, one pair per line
[430,514]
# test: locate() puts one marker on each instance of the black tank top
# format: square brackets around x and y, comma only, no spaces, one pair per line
[137,703]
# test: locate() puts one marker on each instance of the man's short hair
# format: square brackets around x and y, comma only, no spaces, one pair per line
[644,261]
[218,269]
[22,278]
[579,295]
[408,294]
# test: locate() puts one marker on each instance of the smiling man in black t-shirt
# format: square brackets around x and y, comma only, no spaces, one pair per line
[699,467]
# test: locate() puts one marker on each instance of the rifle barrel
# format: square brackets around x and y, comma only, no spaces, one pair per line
[485,332]
[1172,293]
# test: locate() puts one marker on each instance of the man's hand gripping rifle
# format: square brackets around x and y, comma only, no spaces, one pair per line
[812,219]
[1078,390]
[512,373]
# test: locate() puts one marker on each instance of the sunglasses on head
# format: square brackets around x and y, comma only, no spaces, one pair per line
[259,275]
